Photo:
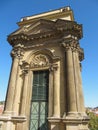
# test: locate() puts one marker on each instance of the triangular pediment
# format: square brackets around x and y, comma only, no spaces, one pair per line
[47,27]
[39,26]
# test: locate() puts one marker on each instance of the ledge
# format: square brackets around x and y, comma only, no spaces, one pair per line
[54,119]
[13,118]
[76,119]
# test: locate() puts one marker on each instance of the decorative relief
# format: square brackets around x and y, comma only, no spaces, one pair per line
[39,61]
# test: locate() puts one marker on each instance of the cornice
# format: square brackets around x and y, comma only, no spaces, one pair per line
[16,39]
[61,28]
[23,38]
[69,27]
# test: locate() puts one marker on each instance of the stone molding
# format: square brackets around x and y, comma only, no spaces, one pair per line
[69,119]
[80,122]
[26,66]
[13,118]
[76,119]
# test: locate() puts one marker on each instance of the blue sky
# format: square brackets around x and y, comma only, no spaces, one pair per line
[85,12]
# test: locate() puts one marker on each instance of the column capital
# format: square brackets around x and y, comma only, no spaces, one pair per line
[53,67]
[25,72]
[70,44]
[17,51]
[73,45]
[25,68]
[25,65]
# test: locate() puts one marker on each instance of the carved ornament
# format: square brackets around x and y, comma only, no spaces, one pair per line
[39,61]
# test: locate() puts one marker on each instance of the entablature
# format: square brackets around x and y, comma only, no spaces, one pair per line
[59,29]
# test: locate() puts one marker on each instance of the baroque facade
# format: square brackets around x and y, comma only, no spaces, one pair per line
[45,87]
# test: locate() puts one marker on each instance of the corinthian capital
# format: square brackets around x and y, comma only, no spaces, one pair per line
[72,45]
[17,52]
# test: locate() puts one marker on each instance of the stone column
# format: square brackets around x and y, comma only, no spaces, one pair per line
[50,107]
[24,93]
[78,82]
[12,82]
[28,99]
[56,89]
[70,82]
[17,94]
[18,85]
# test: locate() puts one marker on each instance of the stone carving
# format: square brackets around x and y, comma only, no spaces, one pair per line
[17,51]
[39,61]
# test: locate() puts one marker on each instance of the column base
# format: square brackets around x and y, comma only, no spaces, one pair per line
[76,127]
[9,122]
[8,113]
[54,123]
[73,121]
[76,121]
[75,115]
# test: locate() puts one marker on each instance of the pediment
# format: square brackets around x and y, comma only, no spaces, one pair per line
[44,27]
[39,26]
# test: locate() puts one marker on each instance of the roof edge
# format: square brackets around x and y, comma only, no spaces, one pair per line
[50,15]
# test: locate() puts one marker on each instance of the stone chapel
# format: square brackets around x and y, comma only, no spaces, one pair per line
[45,87]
